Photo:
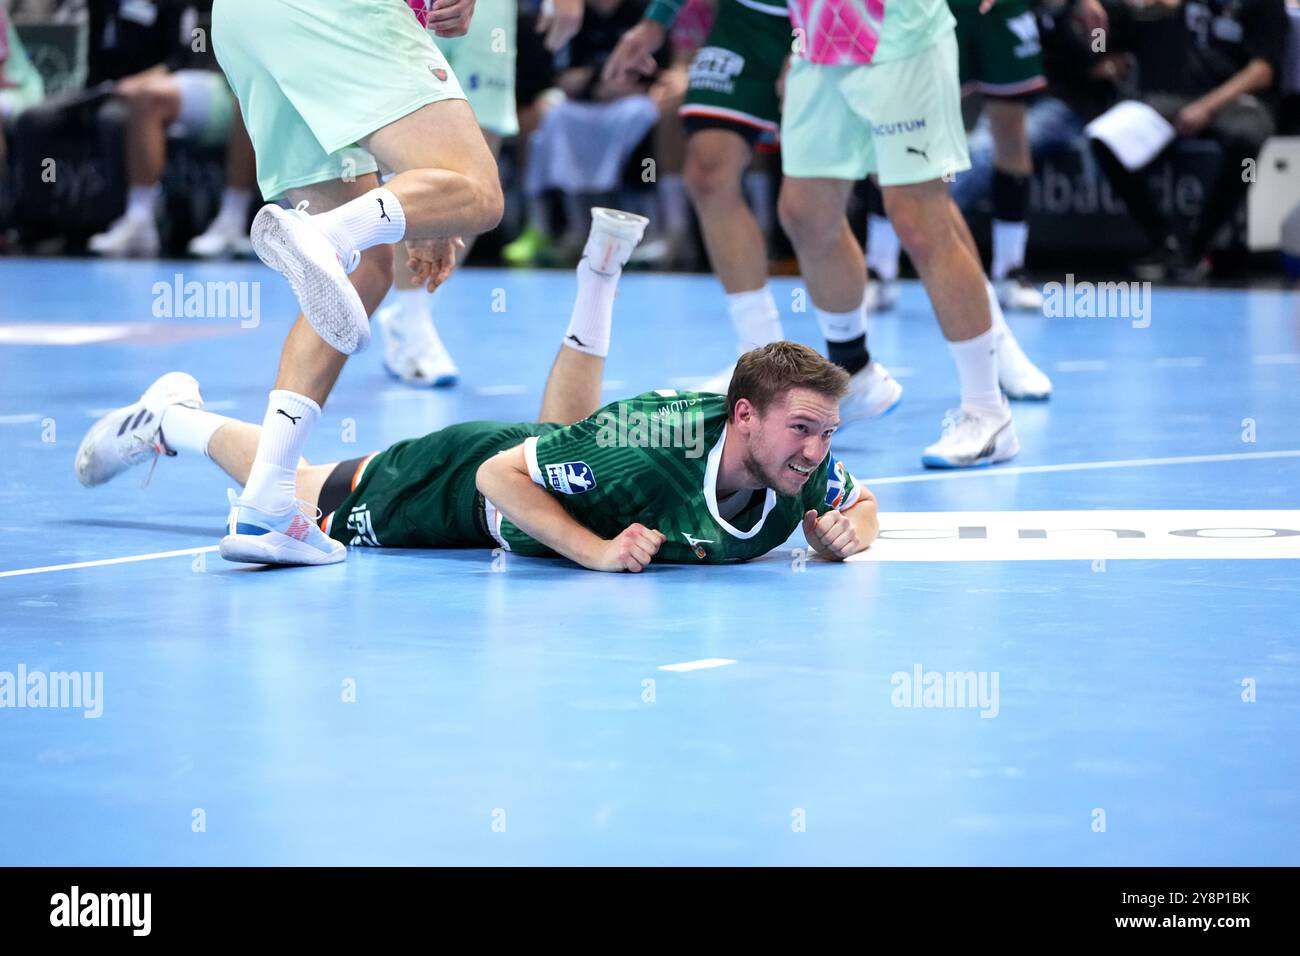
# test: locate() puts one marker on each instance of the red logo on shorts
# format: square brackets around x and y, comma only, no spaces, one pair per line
[439,73]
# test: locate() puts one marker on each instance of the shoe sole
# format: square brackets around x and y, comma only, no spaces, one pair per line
[88,443]
[275,547]
[331,305]
[1003,450]
[1027,397]
[442,381]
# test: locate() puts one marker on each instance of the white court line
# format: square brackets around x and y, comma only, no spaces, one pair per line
[1083,365]
[997,471]
[697,665]
[501,389]
[103,561]
[1283,358]
[18,419]
[1185,361]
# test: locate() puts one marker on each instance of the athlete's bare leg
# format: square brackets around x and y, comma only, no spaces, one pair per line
[716,161]
[572,387]
[233,447]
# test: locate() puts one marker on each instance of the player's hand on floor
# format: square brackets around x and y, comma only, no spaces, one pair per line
[431,261]
[450,18]
[832,535]
[632,550]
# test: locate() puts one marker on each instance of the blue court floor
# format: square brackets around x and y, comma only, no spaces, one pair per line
[1133,652]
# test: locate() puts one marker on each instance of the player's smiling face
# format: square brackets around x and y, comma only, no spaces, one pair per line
[786,443]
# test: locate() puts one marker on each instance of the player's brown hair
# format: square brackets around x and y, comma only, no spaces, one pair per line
[764,373]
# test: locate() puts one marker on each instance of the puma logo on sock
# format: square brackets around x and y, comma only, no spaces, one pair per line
[292,418]
[576,339]
[382,214]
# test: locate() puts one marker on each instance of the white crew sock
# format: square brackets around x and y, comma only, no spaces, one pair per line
[755,318]
[190,429]
[882,247]
[1009,240]
[234,206]
[995,310]
[977,371]
[593,311]
[142,200]
[414,304]
[370,220]
[843,326]
[272,484]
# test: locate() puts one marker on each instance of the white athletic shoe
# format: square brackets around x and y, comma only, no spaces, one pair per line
[131,435]
[413,351]
[291,537]
[1020,378]
[718,383]
[614,234]
[971,439]
[222,239]
[1016,292]
[872,393]
[881,294]
[127,236]
[286,240]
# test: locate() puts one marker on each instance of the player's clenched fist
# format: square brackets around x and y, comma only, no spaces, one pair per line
[632,550]
[832,535]
[450,18]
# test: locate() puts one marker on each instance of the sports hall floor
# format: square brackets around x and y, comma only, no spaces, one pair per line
[521,712]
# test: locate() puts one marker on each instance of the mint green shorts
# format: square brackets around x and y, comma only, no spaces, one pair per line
[314,77]
[484,62]
[900,119]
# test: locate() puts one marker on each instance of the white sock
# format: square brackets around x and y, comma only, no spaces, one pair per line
[995,309]
[142,200]
[1009,240]
[755,318]
[882,247]
[593,311]
[234,206]
[190,429]
[843,326]
[977,371]
[674,204]
[414,304]
[272,484]
[370,220]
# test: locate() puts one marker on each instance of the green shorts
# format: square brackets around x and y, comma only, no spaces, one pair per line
[900,119]
[314,77]
[484,62]
[733,76]
[422,493]
[1000,51]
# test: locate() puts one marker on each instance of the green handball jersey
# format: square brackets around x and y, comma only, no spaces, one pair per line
[654,459]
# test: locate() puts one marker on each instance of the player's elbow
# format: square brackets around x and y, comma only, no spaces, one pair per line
[484,477]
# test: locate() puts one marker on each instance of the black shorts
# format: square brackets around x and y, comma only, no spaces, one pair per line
[338,485]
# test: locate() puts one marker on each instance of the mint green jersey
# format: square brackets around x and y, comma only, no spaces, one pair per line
[654,459]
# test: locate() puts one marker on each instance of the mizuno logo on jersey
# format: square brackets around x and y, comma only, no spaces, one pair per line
[571,478]
[696,543]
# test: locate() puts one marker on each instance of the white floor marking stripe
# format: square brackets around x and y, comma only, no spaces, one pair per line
[1281,359]
[104,561]
[998,470]
[697,665]
[501,389]
[18,419]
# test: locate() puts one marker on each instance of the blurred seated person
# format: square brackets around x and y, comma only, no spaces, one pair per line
[20,84]
[1211,71]
[183,92]
[587,130]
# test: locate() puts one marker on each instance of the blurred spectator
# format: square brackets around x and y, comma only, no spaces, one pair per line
[1212,73]
[20,84]
[183,91]
[586,133]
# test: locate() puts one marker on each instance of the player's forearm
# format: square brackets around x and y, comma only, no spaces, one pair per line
[865,518]
[1255,76]
[535,512]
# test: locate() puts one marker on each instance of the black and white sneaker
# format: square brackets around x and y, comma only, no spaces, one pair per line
[132,434]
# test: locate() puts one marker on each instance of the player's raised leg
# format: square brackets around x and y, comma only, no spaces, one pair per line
[573,386]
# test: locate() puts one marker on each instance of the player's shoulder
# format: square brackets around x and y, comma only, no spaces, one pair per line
[663,401]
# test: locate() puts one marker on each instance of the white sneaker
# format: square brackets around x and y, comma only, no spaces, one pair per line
[130,435]
[127,236]
[881,294]
[286,240]
[1016,292]
[413,351]
[872,393]
[291,537]
[971,439]
[719,383]
[614,234]
[221,240]
[1020,378]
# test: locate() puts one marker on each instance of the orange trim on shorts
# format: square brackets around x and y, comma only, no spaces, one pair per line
[360,468]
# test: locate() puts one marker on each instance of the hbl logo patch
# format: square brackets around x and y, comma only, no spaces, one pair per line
[571,478]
